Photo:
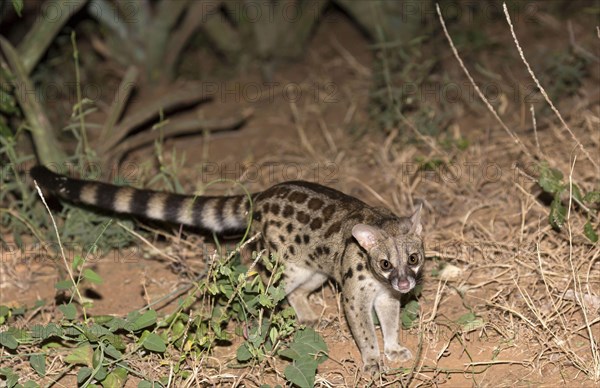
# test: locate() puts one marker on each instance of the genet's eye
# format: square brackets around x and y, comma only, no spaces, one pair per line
[385,264]
[413,259]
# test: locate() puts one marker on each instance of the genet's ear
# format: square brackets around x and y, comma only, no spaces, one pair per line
[366,235]
[415,221]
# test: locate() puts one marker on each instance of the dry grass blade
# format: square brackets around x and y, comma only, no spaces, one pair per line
[577,285]
[62,249]
[510,133]
[543,91]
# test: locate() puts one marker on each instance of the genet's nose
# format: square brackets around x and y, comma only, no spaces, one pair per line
[403,283]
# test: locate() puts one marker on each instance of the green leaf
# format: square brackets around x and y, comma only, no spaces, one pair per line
[576,192]
[68,310]
[265,301]
[592,197]
[112,352]
[589,232]
[243,353]
[115,341]
[18,6]
[410,313]
[51,330]
[154,343]
[101,373]
[31,384]
[38,363]
[92,276]
[81,356]
[550,179]
[466,318]
[115,379]
[302,372]
[149,384]
[306,343]
[11,377]
[8,341]
[558,213]
[64,285]
[145,320]
[470,321]
[97,357]
[83,374]
[4,311]
[77,261]
[103,319]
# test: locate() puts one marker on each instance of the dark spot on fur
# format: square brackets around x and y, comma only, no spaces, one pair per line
[275,209]
[267,194]
[359,267]
[282,238]
[290,228]
[326,250]
[257,216]
[319,251]
[328,212]
[308,263]
[297,239]
[361,277]
[303,217]
[315,204]
[333,229]
[272,245]
[275,223]
[288,211]
[292,250]
[306,239]
[265,208]
[298,197]
[316,224]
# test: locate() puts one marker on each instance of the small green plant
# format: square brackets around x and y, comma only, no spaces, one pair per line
[410,313]
[551,181]
[307,351]
[18,210]
[100,347]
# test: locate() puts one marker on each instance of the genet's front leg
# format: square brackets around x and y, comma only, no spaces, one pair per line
[358,306]
[387,307]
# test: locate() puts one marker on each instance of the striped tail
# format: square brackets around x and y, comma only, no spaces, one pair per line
[216,214]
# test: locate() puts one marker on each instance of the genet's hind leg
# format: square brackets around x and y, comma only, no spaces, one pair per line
[300,282]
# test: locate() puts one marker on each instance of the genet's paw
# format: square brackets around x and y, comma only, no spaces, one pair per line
[371,365]
[398,353]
